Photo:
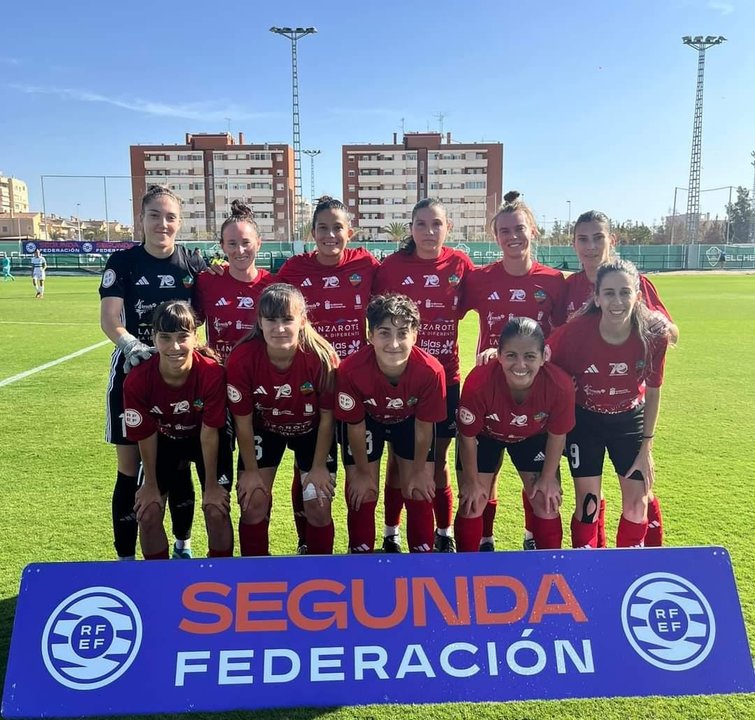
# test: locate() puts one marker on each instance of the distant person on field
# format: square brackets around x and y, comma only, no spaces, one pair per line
[134,283]
[38,268]
[7,275]
[594,244]
[721,259]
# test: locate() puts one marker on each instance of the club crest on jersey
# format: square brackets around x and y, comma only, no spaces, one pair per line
[394,403]
[233,394]
[518,420]
[466,416]
[306,388]
[346,402]
[282,391]
[108,278]
[188,281]
[540,295]
[198,404]
[412,401]
[355,279]
[454,280]
[639,365]
[540,416]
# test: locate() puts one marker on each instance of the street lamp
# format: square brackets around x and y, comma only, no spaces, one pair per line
[78,217]
[568,224]
[312,155]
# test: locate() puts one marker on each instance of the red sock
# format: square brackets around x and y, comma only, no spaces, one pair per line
[443,506]
[548,534]
[529,513]
[220,553]
[162,555]
[583,534]
[654,535]
[361,526]
[630,534]
[297,503]
[393,501]
[419,525]
[602,524]
[253,539]
[468,532]
[320,539]
[488,518]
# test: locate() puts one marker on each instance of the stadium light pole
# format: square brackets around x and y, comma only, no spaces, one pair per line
[294,34]
[752,201]
[78,218]
[568,222]
[701,44]
[312,155]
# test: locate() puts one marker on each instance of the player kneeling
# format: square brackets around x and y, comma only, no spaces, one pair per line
[390,391]
[522,404]
[175,409]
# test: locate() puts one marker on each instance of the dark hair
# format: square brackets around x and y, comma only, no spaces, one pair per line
[154,191]
[394,307]
[512,203]
[283,300]
[178,316]
[239,213]
[408,246]
[328,203]
[592,216]
[522,327]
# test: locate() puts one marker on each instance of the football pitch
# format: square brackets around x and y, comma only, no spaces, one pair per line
[57,474]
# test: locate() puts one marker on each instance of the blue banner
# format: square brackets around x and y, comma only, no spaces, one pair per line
[73,247]
[213,635]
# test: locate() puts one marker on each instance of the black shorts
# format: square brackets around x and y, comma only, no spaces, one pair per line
[526,455]
[400,435]
[269,448]
[115,426]
[594,433]
[174,457]
[447,428]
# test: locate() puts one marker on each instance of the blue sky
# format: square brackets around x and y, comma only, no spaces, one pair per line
[593,100]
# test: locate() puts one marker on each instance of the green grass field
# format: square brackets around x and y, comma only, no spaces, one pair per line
[56,472]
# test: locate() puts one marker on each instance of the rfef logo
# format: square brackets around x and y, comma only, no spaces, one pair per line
[91,638]
[668,621]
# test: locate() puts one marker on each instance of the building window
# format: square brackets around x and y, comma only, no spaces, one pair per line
[352,173]
[279,201]
[279,186]
[352,202]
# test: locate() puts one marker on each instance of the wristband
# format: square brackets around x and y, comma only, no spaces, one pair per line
[648,437]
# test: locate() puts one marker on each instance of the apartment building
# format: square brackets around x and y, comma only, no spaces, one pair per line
[381,183]
[14,195]
[209,172]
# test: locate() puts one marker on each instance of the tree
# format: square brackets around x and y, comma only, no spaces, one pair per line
[740,214]
[397,230]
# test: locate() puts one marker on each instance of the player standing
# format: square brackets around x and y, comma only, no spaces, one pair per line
[175,410]
[390,391]
[433,276]
[38,271]
[134,283]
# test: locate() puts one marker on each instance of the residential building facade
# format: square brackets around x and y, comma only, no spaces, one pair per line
[209,172]
[14,195]
[382,183]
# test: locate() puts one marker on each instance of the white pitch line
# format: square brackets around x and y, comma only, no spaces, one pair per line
[27,322]
[52,363]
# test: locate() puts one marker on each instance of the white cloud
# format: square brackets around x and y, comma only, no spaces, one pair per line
[724,8]
[193,111]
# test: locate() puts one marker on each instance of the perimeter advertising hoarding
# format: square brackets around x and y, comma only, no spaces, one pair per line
[73,247]
[207,635]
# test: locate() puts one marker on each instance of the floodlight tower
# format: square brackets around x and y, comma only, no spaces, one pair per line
[293,34]
[312,155]
[701,44]
[752,201]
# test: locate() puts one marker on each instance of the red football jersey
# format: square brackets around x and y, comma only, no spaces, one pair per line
[579,290]
[362,388]
[435,285]
[287,402]
[498,296]
[229,307]
[486,406]
[336,295]
[609,378]
[151,405]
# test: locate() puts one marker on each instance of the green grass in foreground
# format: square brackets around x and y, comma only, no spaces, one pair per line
[56,473]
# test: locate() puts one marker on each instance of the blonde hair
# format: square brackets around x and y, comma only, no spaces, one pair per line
[512,202]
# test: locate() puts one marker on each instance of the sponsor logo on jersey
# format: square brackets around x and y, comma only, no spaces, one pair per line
[591,370]
[453,280]
[188,281]
[142,281]
[142,308]
[220,326]
[198,404]
[370,401]
[357,300]
[245,303]
[517,295]
[259,390]
[223,480]
[243,326]
[518,420]
[394,403]
[233,394]
[108,278]
[540,457]
[493,416]
[345,402]
[431,280]
[331,281]
[447,348]
[407,281]
[309,409]
[618,369]
[331,305]
[590,390]
[466,416]
[618,391]
[494,295]
[132,418]
[354,345]
[306,388]
[282,391]
[156,410]
[167,281]
[222,302]
[355,279]
[180,407]
[540,295]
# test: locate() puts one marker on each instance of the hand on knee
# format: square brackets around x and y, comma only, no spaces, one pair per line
[152,517]
[318,515]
